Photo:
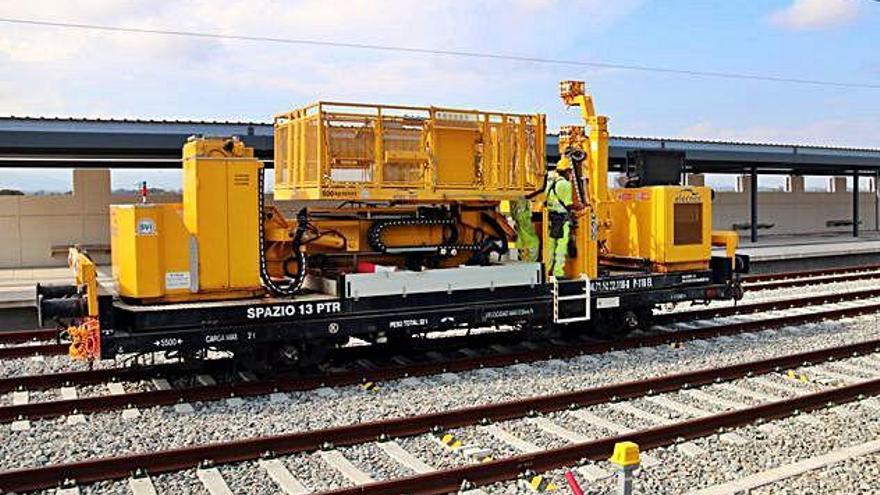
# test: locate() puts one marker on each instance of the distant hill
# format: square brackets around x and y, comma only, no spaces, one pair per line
[33,181]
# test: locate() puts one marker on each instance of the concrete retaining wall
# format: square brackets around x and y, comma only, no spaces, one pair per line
[31,225]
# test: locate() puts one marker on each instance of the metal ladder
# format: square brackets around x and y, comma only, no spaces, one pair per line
[584,295]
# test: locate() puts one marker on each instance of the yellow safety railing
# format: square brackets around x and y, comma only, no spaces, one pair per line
[351,151]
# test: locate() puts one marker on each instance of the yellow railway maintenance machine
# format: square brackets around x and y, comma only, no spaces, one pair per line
[389,222]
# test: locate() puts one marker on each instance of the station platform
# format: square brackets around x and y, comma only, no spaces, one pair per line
[17,284]
[785,253]
[17,292]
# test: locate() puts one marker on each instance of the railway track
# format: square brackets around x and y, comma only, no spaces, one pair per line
[35,342]
[775,304]
[28,350]
[507,468]
[809,277]
[391,371]
[766,277]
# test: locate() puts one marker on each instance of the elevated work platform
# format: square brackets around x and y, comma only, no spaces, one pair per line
[358,152]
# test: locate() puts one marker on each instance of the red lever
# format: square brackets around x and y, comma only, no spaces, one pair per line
[573,484]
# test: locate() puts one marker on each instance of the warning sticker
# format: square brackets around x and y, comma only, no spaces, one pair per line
[177,280]
[146,226]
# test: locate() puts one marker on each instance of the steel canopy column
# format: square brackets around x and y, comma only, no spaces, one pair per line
[877,200]
[753,203]
[855,205]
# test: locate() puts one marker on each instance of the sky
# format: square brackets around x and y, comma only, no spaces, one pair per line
[49,71]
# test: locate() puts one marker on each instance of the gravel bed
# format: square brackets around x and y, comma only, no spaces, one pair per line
[587,429]
[42,365]
[725,462]
[621,418]
[872,359]
[857,374]
[375,462]
[82,391]
[162,428]
[854,476]
[730,395]
[710,407]
[792,388]
[662,411]
[872,364]
[248,477]
[41,396]
[48,364]
[425,448]
[677,473]
[98,390]
[179,483]
[527,431]
[106,488]
[99,488]
[314,473]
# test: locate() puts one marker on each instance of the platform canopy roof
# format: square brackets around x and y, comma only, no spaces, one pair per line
[119,143]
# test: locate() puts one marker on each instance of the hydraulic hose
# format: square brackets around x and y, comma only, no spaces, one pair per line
[577,157]
[295,283]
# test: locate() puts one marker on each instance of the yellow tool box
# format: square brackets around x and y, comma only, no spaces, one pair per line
[667,226]
[204,248]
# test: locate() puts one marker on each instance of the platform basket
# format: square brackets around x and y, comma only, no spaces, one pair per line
[358,152]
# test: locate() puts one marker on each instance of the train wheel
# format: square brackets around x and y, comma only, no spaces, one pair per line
[285,356]
[609,324]
[303,354]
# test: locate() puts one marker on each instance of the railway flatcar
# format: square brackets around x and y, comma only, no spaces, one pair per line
[393,221]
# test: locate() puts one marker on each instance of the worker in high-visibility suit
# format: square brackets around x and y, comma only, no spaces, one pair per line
[558,200]
[527,240]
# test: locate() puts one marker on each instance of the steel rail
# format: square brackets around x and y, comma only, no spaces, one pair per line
[21,336]
[152,398]
[766,277]
[450,480]
[23,351]
[91,377]
[247,449]
[783,284]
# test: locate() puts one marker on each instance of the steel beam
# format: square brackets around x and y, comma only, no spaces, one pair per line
[855,203]
[753,204]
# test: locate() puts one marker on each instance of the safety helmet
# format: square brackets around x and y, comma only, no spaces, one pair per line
[563,164]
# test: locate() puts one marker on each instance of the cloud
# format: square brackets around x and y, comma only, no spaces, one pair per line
[816,14]
[856,133]
[94,73]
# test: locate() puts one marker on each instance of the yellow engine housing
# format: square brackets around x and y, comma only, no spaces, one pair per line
[204,248]
[668,226]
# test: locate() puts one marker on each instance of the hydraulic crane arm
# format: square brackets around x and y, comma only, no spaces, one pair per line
[574,93]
